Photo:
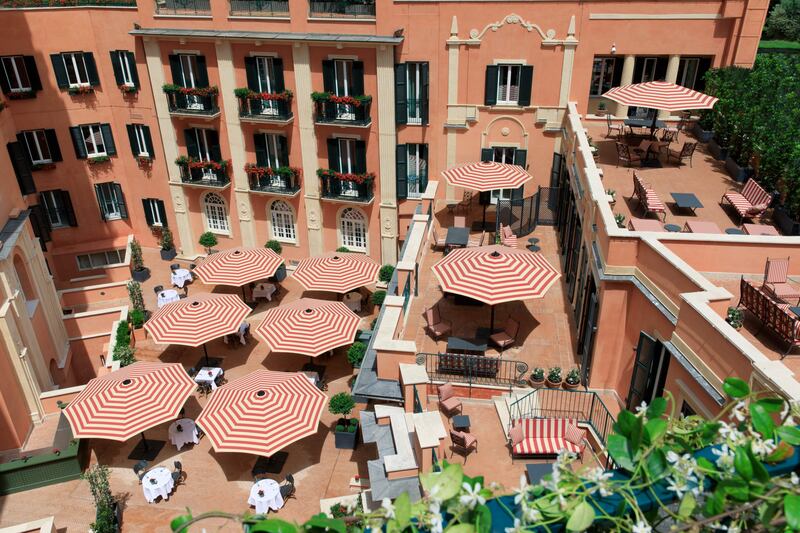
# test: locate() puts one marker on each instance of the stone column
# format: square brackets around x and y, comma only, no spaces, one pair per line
[308,147]
[241,188]
[452,99]
[627,79]
[570,44]
[387,147]
[671,77]
[9,336]
[155,71]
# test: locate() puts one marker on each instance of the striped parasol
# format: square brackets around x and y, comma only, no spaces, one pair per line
[336,272]
[486,176]
[197,320]
[660,95]
[238,266]
[262,412]
[308,327]
[495,274]
[131,400]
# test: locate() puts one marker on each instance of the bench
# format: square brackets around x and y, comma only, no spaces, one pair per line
[546,436]
[648,198]
[772,314]
[466,365]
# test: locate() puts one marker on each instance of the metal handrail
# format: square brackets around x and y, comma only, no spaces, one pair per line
[473,369]
[417,402]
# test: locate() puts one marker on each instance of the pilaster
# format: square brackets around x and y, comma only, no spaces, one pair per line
[452,99]
[9,336]
[626,79]
[387,150]
[570,44]
[671,77]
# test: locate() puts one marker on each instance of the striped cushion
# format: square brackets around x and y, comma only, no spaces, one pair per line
[777,270]
[548,446]
[654,203]
[574,434]
[539,428]
[754,193]
[739,202]
[511,242]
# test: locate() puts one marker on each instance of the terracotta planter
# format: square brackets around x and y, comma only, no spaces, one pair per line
[139,334]
[536,384]
[552,384]
[570,386]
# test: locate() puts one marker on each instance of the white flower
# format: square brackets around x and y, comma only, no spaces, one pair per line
[641,408]
[677,487]
[472,496]
[387,506]
[762,448]
[600,478]
[436,523]
[530,514]
[794,479]
[641,527]
[517,527]
[522,491]
[672,457]
[725,458]
[739,412]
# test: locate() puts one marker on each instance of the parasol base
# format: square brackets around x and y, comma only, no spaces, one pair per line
[270,465]
[149,453]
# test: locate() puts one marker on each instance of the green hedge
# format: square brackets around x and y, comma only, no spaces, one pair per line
[44,469]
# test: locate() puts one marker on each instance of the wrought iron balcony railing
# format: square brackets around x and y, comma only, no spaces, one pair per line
[204,177]
[342,8]
[260,8]
[347,190]
[330,112]
[285,180]
[189,104]
[264,110]
[183,7]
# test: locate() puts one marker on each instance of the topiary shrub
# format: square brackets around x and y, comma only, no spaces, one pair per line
[355,354]
[343,249]
[341,404]
[137,318]
[165,240]
[385,273]
[135,295]
[274,245]
[207,240]
[378,297]
[136,256]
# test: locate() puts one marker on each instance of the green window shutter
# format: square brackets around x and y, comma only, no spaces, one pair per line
[190,136]
[148,141]
[484,197]
[283,151]
[108,139]
[260,142]
[24,146]
[277,66]
[424,95]
[162,212]
[361,157]
[52,144]
[401,164]
[132,138]
[123,208]
[521,158]
[525,85]
[400,96]
[423,153]
[33,73]
[20,161]
[251,70]
[68,209]
[327,76]
[115,65]
[213,145]
[59,70]
[516,194]
[202,72]
[98,191]
[333,154]
[78,142]
[175,69]
[91,69]
[487,154]
[358,78]
[40,223]
[490,94]
[134,70]
[4,86]
[148,214]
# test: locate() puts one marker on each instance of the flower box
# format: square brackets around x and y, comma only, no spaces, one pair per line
[43,166]
[195,164]
[98,160]
[21,95]
[128,89]
[326,173]
[243,93]
[80,90]
[171,88]
[144,161]
[702,135]
[355,101]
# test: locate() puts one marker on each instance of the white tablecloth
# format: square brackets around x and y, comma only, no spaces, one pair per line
[264,290]
[312,376]
[270,501]
[162,487]
[167,296]
[181,276]
[243,327]
[353,301]
[208,374]
[187,436]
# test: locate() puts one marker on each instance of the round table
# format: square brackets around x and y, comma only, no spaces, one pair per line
[270,497]
[167,296]
[157,482]
[181,276]
[187,435]
[734,231]
[672,228]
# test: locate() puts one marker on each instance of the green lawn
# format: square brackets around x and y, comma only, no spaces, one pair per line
[779,45]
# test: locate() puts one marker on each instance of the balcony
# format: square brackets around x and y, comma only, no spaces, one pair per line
[17,4]
[259,8]
[184,7]
[351,111]
[192,101]
[212,174]
[282,181]
[264,107]
[358,9]
[357,188]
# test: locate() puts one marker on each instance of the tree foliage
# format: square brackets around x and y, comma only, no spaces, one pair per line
[783,21]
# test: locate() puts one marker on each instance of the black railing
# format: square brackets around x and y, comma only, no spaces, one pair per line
[204,177]
[417,184]
[274,184]
[417,402]
[473,369]
[332,113]
[350,191]
[342,8]
[18,4]
[260,8]
[265,110]
[195,105]
[183,7]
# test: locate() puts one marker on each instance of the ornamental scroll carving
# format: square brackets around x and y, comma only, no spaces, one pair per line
[513,18]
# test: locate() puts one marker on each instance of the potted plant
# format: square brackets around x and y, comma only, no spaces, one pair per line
[620,220]
[703,128]
[167,244]
[613,194]
[573,379]
[207,240]
[601,109]
[537,377]
[385,276]
[735,318]
[108,512]
[343,249]
[378,297]
[346,429]
[276,247]
[554,379]
[140,272]
[355,354]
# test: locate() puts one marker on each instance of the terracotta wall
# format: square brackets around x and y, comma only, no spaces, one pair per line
[14,421]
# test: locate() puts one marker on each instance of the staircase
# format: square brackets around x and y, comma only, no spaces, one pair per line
[502,405]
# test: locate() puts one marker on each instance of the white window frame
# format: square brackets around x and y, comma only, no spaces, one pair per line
[265,72]
[347,154]
[138,133]
[155,214]
[110,204]
[91,131]
[282,222]
[414,93]
[506,155]
[651,75]
[71,64]
[415,166]
[112,258]
[597,85]
[17,64]
[189,67]
[353,228]
[125,67]
[54,209]
[508,98]
[215,214]
[34,144]
[343,111]
[686,60]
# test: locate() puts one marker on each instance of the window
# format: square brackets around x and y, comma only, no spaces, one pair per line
[602,75]
[202,144]
[686,410]
[124,65]
[111,201]
[38,149]
[272,150]
[508,155]
[100,259]
[154,212]
[687,71]
[93,140]
[76,68]
[16,74]
[417,169]
[216,213]
[141,143]
[347,165]
[415,92]
[648,69]
[282,218]
[353,228]
[265,70]
[343,77]
[54,207]
[508,84]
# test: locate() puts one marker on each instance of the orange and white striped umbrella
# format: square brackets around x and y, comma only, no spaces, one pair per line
[336,272]
[660,95]
[495,274]
[308,326]
[129,401]
[238,266]
[197,320]
[262,412]
[486,176]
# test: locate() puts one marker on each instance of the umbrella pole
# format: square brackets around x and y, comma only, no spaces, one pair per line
[483,224]
[491,325]
[144,443]
[244,298]
[205,351]
[653,125]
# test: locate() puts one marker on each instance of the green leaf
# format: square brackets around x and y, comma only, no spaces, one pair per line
[781,453]
[178,521]
[714,504]
[656,464]
[735,388]
[759,472]
[706,465]
[709,432]
[735,488]
[687,506]
[461,528]
[771,405]
[636,436]
[789,434]
[619,450]
[328,524]
[402,510]
[581,518]
[483,519]
[273,525]
[741,462]
[767,512]
[625,422]
[762,421]
[445,484]
[656,408]
[791,508]
[655,428]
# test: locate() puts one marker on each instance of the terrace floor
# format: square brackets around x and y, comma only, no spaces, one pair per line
[706,178]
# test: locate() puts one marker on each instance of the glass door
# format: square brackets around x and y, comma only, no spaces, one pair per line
[189,79]
[266,84]
[649,371]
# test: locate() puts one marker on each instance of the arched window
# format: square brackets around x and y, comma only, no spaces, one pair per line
[282,218]
[353,229]
[216,213]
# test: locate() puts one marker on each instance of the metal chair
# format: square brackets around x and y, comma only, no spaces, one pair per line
[618,128]
[174,266]
[463,444]
[158,288]
[177,474]
[140,469]
[625,155]
[287,489]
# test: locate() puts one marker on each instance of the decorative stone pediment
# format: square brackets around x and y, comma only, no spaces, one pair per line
[547,37]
